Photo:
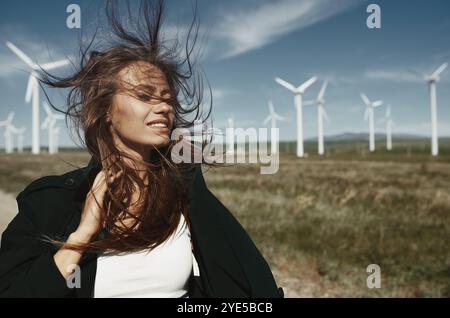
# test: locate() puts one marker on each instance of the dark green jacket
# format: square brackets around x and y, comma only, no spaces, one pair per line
[230,264]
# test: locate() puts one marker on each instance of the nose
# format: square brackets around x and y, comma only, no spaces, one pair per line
[162,108]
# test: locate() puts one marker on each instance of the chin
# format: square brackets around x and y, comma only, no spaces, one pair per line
[159,142]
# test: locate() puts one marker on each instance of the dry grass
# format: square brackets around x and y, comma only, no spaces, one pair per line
[320,222]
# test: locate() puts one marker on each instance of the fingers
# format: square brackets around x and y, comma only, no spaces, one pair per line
[114,177]
[103,178]
[108,175]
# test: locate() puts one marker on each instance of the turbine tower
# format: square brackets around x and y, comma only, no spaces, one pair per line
[56,139]
[230,136]
[49,123]
[321,114]
[273,117]
[20,132]
[387,120]
[432,80]
[369,115]
[32,93]
[8,133]
[298,91]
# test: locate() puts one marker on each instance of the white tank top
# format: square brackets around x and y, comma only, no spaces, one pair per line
[162,272]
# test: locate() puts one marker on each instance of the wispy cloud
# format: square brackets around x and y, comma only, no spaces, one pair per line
[395,76]
[412,74]
[253,28]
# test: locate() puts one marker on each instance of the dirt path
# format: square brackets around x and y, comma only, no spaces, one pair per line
[8,209]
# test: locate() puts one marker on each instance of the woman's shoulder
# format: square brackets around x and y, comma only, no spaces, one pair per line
[50,183]
[48,201]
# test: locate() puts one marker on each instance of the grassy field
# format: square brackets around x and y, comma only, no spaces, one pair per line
[321,221]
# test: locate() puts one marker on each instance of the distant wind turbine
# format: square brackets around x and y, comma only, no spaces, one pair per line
[230,137]
[432,80]
[8,133]
[273,117]
[19,133]
[369,115]
[387,120]
[32,93]
[298,91]
[49,124]
[321,113]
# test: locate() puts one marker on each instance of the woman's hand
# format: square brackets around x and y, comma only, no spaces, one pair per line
[90,218]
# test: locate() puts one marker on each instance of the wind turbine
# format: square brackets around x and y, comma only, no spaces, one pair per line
[56,139]
[273,117]
[321,113]
[432,80]
[32,94]
[49,123]
[230,136]
[8,133]
[298,91]
[19,133]
[389,123]
[369,115]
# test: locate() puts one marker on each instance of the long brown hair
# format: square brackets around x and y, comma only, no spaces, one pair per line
[92,86]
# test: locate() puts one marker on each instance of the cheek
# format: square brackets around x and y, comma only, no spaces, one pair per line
[128,117]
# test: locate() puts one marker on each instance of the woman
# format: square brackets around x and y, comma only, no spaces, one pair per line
[131,223]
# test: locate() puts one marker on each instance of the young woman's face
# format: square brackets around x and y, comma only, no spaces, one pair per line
[141,120]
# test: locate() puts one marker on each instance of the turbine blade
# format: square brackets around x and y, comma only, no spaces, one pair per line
[58,117]
[377,103]
[439,71]
[388,111]
[420,75]
[285,84]
[47,108]
[53,65]
[278,117]
[365,99]
[307,84]
[268,118]
[21,55]
[13,129]
[46,123]
[322,90]
[30,88]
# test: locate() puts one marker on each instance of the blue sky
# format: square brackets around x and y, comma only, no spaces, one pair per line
[250,42]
